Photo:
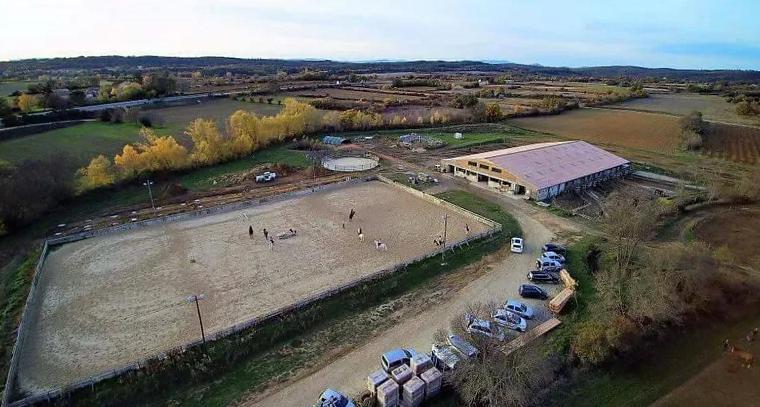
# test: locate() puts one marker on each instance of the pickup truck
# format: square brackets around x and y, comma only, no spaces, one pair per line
[266,177]
[332,398]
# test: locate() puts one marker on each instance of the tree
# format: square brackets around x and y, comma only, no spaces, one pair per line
[496,379]
[154,154]
[208,144]
[32,188]
[100,172]
[26,102]
[5,108]
[629,221]
[158,84]
[692,130]
[493,112]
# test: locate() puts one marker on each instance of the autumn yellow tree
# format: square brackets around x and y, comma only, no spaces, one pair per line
[163,153]
[209,147]
[100,172]
[129,162]
[156,153]
[27,102]
[245,133]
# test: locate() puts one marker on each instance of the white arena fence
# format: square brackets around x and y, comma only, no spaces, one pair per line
[57,393]
[362,164]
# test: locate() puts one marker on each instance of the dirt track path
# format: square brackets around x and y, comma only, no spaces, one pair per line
[348,373]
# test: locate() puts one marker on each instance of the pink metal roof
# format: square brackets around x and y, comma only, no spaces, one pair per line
[547,164]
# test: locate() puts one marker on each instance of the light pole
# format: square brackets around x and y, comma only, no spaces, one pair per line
[195,299]
[148,183]
[445,228]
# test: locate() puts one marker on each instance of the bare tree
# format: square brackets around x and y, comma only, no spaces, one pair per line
[494,378]
[629,221]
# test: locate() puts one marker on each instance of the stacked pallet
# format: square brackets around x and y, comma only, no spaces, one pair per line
[413,393]
[433,380]
[420,363]
[388,394]
[375,379]
[402,374]
[558,303]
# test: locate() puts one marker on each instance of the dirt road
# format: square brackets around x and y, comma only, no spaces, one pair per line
[349,372]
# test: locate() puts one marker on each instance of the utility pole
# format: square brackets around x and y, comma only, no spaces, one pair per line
[148,183]
[445,228]
[195,299]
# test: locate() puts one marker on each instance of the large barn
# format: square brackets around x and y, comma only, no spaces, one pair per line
[539,171]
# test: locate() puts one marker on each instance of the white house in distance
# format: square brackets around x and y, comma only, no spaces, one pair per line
[539,171]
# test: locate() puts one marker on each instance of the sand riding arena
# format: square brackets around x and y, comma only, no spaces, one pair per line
[110,300]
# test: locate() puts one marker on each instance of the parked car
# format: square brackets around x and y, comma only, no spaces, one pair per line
[532,291]
[519,308]
[465,348]
[485,328]
[332,398]
[554,247]
[542,277]
[444,357]
[554,256]
[517,245]
[548,265]
[266,177]
[396,357]
[509,320]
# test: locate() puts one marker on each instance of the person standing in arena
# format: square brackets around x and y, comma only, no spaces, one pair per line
[250,232]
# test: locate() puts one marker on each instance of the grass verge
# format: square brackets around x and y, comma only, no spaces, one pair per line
[248,361]
[579,255]
[14,289]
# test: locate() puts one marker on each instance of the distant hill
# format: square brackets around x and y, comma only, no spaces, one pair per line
[270,66]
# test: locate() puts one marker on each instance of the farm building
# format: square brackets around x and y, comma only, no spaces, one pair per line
[539,171]
[334,140]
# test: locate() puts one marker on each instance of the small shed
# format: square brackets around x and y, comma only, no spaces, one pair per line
[334,140]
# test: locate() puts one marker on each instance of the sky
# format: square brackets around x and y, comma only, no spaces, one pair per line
[663,33]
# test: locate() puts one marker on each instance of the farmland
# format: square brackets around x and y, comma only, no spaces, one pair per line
[217,109]
[644,131]
[735,143]
[713,107]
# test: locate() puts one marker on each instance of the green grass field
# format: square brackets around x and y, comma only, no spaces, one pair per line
[81,142]
[6,88]
[219,110]
[85,141]
[203,178]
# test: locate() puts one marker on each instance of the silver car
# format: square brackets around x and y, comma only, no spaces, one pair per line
[509,320]
[485,328]
[519,308]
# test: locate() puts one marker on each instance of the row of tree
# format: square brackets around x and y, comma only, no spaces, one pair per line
[246,133]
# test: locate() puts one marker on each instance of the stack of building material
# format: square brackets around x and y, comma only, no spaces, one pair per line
[375,379]
[413,392]
[401,374]
[433,380]
[420,363]
[388,394]
[568,281]
[558,303]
